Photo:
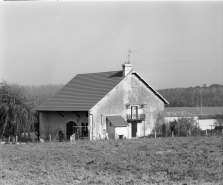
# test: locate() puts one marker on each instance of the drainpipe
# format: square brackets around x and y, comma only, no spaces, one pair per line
[92,132]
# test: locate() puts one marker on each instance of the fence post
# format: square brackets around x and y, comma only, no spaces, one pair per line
[189,132]
[172,134]
[206,132]
[155,134]
[50,137]
[107,136]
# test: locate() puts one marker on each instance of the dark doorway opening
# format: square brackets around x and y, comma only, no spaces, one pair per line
[84,130]
[134,129]
[71,128]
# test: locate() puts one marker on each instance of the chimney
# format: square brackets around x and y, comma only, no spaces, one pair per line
[127,68]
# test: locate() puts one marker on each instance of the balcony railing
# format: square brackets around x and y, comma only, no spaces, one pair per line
[136,117]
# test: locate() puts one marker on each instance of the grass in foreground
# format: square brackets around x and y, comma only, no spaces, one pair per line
[191,160]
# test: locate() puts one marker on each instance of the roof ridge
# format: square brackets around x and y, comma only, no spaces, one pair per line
[98,72]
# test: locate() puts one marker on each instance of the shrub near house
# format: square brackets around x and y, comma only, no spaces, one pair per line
[178,126]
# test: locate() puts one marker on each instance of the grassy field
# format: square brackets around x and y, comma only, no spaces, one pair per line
[191,160]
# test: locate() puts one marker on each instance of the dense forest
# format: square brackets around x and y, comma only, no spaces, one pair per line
[40,93]
[212,96]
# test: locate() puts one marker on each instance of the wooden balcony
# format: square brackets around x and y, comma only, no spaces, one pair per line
[136,117]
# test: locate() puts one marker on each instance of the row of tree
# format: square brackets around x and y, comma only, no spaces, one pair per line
[211,96]
[40,93]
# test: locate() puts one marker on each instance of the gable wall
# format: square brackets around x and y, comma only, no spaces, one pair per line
[133,91]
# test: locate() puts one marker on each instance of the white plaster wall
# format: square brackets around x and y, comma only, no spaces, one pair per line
[122,131]
[204,124]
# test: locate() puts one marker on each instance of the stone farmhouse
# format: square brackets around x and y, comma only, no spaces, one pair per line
[114,104]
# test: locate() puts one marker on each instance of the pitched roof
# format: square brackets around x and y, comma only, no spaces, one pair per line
[86,90]
[117,121]
[83,92]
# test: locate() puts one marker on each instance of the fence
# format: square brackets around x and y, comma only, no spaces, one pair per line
[81,132]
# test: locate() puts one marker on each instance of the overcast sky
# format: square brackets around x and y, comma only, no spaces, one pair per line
[178,44]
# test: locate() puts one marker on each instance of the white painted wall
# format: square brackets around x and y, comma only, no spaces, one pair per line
[122,131]
[204,124]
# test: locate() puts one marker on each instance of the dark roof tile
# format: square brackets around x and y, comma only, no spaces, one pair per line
[83,92]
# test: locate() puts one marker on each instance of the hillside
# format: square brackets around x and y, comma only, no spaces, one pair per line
[212,96]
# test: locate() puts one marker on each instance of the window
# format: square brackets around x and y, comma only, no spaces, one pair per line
[110,124]
[86,113]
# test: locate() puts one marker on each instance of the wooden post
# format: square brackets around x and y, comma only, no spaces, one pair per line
[189,132]
[155,134]
[222,131]
[9,140]
[13,140]
[16,139]
[172,134]
[50,137]
[206,133]
[107,136]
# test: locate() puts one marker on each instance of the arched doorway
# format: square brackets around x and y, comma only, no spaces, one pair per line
[71,128]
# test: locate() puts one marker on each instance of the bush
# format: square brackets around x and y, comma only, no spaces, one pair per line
[185,126]
[181,127]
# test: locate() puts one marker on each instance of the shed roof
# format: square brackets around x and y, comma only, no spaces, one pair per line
[117,121]
[83,92]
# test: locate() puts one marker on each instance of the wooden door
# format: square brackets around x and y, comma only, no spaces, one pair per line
[71,128]
[134,129]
